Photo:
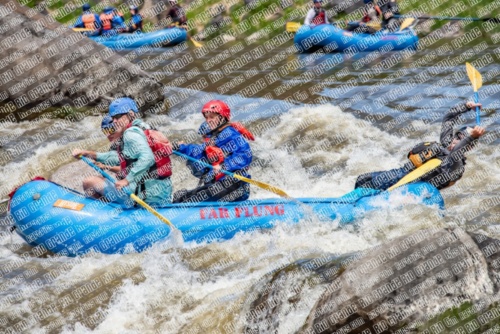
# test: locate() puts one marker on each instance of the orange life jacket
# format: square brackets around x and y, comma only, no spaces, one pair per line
[89,21]
[162,150]
[106,20]
[215,154]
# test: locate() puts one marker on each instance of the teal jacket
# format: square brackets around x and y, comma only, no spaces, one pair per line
[135,146]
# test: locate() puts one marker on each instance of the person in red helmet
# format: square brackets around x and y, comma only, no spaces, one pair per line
[225,146]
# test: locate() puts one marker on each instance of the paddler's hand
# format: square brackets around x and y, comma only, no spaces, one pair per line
[120,184]
[477,132]
[472,105]
[102,166]
[77,153]
[217,168]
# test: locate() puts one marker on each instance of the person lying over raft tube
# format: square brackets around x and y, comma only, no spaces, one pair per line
[451,151]
[225,147]
[143,155]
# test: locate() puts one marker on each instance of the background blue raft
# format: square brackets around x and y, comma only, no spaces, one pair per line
[333,39]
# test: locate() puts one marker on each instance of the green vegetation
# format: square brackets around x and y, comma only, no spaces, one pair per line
[270,16]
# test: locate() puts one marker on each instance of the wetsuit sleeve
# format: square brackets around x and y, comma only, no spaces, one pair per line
[309,17]
[108,158]
[135,146]
[237,151]
[449,120]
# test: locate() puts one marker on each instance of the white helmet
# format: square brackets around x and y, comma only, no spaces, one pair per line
[173,2]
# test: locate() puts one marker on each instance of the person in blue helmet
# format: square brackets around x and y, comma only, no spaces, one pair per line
[89,20]
[316,15]
[373,14]
[135,20]
[225,147]
[451,151]
[143,155]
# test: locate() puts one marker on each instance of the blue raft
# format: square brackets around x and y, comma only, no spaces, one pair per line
[333,39]
[159,38]
[65,222]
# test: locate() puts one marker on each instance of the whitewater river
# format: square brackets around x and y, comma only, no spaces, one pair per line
[336,124]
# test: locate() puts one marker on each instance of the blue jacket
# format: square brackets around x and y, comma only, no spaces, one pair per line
[136,20]
[237,151]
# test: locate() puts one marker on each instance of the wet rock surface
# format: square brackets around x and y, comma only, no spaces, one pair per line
[46,66]
[444,278]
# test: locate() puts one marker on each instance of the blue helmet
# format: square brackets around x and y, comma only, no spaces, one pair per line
[107,9]
[107,126]
[122,106]
[317,1]
[107,122]
[86,7]
[368,1]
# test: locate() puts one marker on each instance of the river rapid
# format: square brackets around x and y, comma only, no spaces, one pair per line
[349,118]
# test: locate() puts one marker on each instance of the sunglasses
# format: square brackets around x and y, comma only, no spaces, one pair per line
[108,131]
[115,117]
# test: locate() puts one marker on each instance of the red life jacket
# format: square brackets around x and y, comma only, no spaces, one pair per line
[162,150]
[106,20]
[367,17]
[89,21]
[319,18]
[215,154]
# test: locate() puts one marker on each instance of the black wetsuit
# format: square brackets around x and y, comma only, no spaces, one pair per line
[389,6]
[451,169]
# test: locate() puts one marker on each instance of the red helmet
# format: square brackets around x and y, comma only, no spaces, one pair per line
[218,107]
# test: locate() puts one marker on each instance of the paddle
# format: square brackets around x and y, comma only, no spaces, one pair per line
[239,177]
[477,82]
[489,19]
[406,23]
[417,173]
[133,196]
[295,26]
[82,29]
[195,43]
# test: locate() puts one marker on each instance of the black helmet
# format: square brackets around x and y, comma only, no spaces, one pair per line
[461,133]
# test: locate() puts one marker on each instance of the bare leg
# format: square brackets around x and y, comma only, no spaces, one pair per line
[93,186]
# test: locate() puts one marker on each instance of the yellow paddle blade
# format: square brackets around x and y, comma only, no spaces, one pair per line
[293,26]
[406,23]
[474,76]
[262,185]
[82,29]
[417,173]
[150,209]
[374,25]
[195,43]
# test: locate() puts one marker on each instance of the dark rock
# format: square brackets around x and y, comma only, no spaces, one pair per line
[397,286]
[406,281]
[46,66]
